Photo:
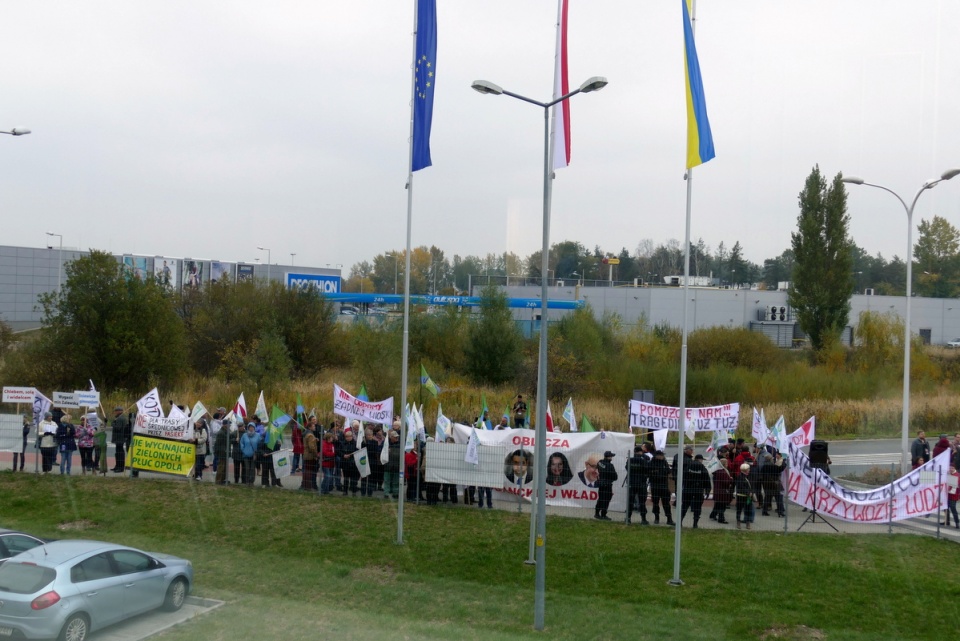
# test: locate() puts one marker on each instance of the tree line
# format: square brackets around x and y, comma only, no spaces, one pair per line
[936,266]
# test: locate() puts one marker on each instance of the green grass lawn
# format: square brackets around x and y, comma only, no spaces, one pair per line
[295,566]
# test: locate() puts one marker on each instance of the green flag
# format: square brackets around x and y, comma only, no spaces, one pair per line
[427,382]
[585,425]
[275,427]
[299,409]
[483,410]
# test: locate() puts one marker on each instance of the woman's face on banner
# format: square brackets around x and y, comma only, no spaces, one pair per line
[556,465]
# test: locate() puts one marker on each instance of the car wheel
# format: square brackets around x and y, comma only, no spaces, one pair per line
[176,595]
[75,629]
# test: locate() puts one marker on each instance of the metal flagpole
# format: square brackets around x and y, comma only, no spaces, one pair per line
[406,288]
[683,364]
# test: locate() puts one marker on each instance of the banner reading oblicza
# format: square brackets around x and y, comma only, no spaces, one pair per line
[160,455]
[350,407]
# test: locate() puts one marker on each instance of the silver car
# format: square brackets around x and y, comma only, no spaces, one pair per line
[66,589]
[13,543]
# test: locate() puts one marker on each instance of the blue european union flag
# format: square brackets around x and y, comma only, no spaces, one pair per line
[426,68]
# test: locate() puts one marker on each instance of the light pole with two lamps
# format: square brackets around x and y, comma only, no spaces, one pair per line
[485,87]
[930,184]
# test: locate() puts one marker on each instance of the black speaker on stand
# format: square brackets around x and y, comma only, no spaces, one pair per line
[819,455]
[820,462]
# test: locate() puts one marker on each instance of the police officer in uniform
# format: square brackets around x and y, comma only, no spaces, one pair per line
[638,475]
[607,475]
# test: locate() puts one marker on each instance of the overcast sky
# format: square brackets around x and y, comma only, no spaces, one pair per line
[204,129]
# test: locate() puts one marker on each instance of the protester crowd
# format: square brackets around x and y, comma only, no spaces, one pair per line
[743,478]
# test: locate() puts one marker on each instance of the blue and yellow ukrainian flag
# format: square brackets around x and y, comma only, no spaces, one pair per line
[699,136]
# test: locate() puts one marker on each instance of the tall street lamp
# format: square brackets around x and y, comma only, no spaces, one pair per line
[60,257]
[16,132]
[292,254]
[930,184]
[483,86]
[266,249]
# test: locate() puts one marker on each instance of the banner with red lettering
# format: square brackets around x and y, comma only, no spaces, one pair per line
[571,465]
[701,419]
[909,496]
[351,407]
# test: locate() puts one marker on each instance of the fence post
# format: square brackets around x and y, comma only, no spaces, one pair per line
[939,499]
[893,488]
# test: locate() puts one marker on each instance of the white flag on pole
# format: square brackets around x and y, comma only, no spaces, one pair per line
[261,410]
[569,416]
[150,405]
[473,448]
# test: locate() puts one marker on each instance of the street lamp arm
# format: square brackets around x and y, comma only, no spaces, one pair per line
[594,83]
[16,132]
[525,99]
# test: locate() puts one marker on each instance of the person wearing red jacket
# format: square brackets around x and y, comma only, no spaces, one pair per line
[722,487]
[953,495]
[297,438]
[942,446]
[328,458]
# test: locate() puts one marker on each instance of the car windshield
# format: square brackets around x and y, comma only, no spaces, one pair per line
[24,578]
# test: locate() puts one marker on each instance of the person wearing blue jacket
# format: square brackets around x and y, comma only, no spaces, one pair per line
[249,443]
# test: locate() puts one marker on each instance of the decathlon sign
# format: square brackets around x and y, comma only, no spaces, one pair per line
[323,284]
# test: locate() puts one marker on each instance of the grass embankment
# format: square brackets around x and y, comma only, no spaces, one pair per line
[294,566]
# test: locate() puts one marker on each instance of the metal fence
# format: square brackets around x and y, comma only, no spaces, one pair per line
[438,477]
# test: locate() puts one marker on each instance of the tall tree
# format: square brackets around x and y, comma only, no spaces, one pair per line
[736,266]
[937,260]
[107,326]
[494,350]
[823,268]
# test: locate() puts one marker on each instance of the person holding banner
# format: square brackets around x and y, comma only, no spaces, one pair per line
[348,465]
[367,483]
[200,449]
[47,436]
[953,496]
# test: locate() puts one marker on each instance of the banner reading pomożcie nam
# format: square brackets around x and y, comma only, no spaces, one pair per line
[907,497]
[351,407]
[571,463]
[701,419]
